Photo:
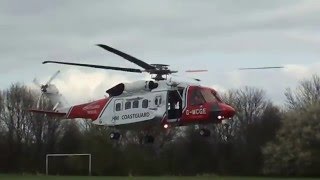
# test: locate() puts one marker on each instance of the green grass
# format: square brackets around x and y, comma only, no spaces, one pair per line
[29,177]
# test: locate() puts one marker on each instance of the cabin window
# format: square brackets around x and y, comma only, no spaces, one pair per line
[157,100]
[135,104]
[145,103]
[127,105]
[118,107]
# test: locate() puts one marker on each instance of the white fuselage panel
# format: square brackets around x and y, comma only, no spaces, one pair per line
[124,109]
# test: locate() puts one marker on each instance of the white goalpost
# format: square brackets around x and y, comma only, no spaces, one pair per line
[61,155]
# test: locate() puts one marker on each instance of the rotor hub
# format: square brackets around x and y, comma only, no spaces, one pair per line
[161,71]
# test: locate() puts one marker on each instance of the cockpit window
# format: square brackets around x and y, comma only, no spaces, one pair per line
[209,95]
[197,98]
[217,96]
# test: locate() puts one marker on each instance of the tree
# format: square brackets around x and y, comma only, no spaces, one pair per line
[254,124]
[1,108]
[2,123]
[106,155]
[3,146]
[296,149]
[307,93]
[27,136]
[70,141]
[16,120]
[250,104]
[45,131]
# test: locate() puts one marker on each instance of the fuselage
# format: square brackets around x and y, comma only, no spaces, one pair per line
[178,105]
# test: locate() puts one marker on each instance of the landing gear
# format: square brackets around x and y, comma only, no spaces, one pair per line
[204,132]
[115,135]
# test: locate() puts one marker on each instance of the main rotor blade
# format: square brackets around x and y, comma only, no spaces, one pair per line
[271,67]
[96,66]
[132,59]
[195,71]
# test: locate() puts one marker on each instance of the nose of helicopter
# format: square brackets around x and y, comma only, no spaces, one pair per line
[227,111]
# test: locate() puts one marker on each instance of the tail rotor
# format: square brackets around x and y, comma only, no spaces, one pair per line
[47,89]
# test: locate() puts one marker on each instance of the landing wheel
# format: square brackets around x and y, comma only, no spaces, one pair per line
[148,139]
[204,132]
[114,135]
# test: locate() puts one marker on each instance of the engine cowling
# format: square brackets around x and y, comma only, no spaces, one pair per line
[140,85]
[132,87]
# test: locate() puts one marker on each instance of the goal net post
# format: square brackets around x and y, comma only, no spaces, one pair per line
[68,155]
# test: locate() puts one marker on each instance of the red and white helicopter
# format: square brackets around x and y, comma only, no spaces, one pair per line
[147,104]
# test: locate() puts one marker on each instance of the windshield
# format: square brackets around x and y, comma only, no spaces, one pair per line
[217,96]
[209,95]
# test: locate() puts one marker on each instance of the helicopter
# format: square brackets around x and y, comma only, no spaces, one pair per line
[147,104]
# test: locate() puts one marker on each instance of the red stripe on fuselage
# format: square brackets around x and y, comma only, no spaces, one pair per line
[89,110]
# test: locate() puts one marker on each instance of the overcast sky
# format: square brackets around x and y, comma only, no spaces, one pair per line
[220,36]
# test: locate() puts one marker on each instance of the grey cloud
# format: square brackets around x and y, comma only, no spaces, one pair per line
[167,32]
[129,23]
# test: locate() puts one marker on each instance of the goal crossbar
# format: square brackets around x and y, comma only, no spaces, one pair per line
[61,155]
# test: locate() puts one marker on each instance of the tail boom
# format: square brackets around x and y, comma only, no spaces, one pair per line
[88,111]
[54,113]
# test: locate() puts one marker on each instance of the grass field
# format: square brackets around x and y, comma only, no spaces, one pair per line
[28,177]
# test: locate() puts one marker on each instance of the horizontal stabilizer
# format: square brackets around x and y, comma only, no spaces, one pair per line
[54,113]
